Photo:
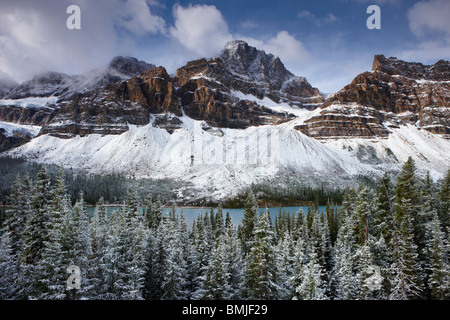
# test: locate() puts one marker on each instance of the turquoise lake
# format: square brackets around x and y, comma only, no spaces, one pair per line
[236,214]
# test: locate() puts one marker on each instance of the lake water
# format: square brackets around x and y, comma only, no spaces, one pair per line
[236,214]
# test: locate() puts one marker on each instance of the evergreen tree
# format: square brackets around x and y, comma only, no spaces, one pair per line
[331,221]
[248,223]
[406,189]
[8,270]
[301,257]
[174,273]
[384,214]
[153,213]
[35,235]
[14,226]
[233,261]
[260,270]
[214,286]
[437,263]
[364,212]
[100,245]
[406,271]
[53,266]
[312,286]
[285,266]
[344,283]
[444,195]
[77,244]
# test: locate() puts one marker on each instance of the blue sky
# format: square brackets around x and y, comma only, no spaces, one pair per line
[325,41]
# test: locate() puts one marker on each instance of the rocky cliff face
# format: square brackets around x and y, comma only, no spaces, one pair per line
[395,92]
[227,91]
[129,91]
[80,104]
[206,93]
[208,87]
[6,85]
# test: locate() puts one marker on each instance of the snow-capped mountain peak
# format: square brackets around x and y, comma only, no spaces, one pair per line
[131,116]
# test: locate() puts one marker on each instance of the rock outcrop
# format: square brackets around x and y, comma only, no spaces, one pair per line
[394,93]
[129,91]
[206,93]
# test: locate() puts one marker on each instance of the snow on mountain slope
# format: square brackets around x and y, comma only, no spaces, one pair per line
[11,129]
[216,165]
[31,102]
[220,162]
[430,152]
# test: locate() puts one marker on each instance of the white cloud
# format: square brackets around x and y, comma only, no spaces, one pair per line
[379,2]
[429,22]
[138,18]
[201,29]
[287,47]
[203,32]
[318,21]
[34,37]
[427,17]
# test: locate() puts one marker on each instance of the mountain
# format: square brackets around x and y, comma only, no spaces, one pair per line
[6,85]
[220,124]
[64,86]
[395,93]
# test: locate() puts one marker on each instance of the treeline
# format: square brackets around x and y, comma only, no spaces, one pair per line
[113,188]
[288,192]
[388,242]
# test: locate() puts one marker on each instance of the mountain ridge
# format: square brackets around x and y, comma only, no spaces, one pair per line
[133,117]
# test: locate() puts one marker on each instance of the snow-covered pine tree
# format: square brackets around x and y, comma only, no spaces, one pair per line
[14,226]
[364,214]
[406,270]
[285,265]
[214,285]
[188,254]
[302,255]
[248,223]
[8,270]
[174,272]
[343,280]
[77,244]
[312,286]
[53,266]
[35,235]
[100,244]
[202,255]
[363,270]
[219,223]
[437,264]
[385,209]
[260,269]
[233,261]
[331,221]
[127,251]
[444,196]
[408,275]
[153,212]
[406,193]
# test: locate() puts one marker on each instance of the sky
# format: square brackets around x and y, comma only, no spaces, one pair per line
[326,41]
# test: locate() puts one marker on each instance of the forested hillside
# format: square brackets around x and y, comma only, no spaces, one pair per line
[385,242]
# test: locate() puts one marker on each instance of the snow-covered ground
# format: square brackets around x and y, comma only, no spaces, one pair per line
[11,128]
[32,102]
[219,166]
[219,163]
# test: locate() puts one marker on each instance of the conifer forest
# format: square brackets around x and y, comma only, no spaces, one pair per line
[388,241]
